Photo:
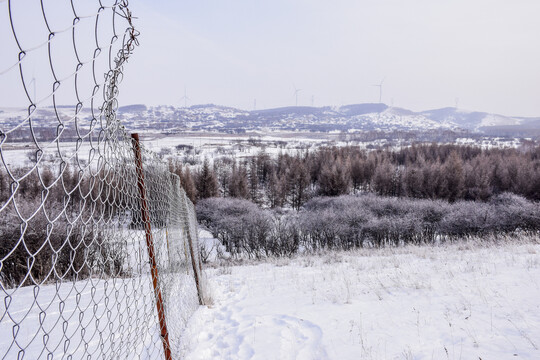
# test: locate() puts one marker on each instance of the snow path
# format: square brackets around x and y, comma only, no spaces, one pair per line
[453,302]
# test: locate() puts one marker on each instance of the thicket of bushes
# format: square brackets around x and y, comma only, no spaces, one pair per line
[60,226]
[367,220]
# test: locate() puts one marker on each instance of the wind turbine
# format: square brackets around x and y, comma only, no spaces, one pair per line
[185,98]
[296,91]
[457,102]
[312,100]
[380,89]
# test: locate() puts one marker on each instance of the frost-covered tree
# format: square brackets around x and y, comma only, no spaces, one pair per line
[207,185]
[276,191]
[298,183]
[453,179]
[253,177]
[334,179]
[238,185]
[189,185]
[383,179]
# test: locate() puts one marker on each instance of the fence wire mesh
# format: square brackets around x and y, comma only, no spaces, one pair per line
[75,273]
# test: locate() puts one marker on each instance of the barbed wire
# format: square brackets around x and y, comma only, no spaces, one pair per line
[75,269]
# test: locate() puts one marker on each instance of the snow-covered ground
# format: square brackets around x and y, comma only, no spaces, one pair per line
[459,301]
[103,317]
[215,145]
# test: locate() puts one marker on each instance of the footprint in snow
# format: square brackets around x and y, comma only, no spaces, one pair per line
[271,337]
[284,337]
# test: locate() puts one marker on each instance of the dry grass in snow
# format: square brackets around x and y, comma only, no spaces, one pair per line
[459,301]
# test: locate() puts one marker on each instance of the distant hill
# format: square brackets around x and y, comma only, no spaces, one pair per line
[132,108]
[362,109]
[347,118]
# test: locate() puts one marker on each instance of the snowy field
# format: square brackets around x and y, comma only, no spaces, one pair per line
[460,301]
[215,145]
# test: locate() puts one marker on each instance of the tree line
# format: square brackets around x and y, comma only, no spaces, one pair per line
[423,171]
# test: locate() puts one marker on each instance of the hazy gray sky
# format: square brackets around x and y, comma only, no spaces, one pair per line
[430,52]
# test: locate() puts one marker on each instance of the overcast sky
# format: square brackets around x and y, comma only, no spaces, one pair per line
[485,53]
[429,52]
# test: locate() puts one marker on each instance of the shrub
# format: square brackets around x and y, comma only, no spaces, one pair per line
[351,221]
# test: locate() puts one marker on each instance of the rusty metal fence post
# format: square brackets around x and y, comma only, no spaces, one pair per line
[145,213]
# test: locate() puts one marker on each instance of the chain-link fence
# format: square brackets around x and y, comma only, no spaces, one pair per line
[98,242]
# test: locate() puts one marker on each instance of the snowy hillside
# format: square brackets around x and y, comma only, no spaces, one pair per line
[348,118]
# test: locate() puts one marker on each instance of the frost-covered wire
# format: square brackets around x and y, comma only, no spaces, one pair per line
[74,267]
